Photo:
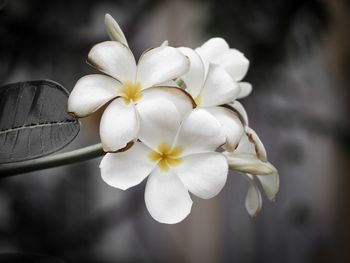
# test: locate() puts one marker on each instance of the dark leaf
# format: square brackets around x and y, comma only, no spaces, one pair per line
[33,120]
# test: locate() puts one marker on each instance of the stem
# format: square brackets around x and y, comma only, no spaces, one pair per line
[79,155]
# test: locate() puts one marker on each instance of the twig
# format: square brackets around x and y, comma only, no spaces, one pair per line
[79,155]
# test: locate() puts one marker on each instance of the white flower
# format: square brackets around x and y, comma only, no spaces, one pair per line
[179,156]
[210,90]
[250,159]
[128,84]
[217,51]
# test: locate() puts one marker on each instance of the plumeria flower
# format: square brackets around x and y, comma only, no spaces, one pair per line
[176,153]
[217,51]
[128,84]
[250,159]
[210,89]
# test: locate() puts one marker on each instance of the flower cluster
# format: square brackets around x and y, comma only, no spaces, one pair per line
[167,118]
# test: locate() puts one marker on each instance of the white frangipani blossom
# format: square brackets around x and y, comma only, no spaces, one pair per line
[177,154]
[129,84]
[217,51]
[213,88]
[251,160]
[150,128]
[250,156]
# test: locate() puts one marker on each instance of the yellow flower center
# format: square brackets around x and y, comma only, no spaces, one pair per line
[166,156]
[131,92]
[198,100]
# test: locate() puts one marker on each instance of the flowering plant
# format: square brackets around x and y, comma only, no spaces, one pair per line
[172,117]
[173,129]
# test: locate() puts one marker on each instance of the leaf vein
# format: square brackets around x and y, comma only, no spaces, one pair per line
[36,125]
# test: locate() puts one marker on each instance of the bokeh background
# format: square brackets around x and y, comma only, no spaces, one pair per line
[300,70]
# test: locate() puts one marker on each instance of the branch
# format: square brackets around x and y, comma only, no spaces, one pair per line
[79,155]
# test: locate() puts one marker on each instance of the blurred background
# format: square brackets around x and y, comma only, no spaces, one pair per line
[300,70]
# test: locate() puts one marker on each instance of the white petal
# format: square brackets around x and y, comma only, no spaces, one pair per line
[119,125]
[231,125]
[203,174]
[195,77]
[114,59]
[237,106]
[90,93]
[166,197]
[246,89]
[253,201]
[169,83]
[219,88]
[212,48]
[159,121]
[165,43]
[234,62]
[251,144]
[245,147]
[249,163]
[161,64]
[200,132]
[217,51]
[181,99]
[114,31]
[270,184]
[127,169]
[258,145]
